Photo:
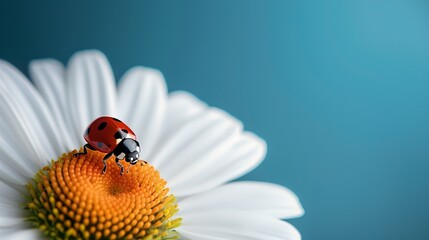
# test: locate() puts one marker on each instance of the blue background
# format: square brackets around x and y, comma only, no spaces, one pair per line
[339,90]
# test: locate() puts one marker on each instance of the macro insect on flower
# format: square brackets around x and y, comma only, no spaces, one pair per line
[110,135]
[184,192]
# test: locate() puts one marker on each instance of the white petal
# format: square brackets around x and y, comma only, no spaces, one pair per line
[259,197]
[245,153]
[16,142]
[9,195]
[198,145]
[143,97]
[7,222]
[49,77]
[90,88]
[236,225]
[198,141]
[182,106]
[26,120]
[21,233]
[14,168]
[11,213]
[197,236]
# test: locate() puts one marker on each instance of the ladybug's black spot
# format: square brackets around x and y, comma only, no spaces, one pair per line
[100,145]
[102,126]
[124,130]
[116,119]
[87,131]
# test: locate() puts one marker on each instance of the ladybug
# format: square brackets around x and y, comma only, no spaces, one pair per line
[110,135]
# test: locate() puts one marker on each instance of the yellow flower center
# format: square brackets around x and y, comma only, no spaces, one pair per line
[71,198]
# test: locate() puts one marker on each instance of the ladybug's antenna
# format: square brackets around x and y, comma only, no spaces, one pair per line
[129,165]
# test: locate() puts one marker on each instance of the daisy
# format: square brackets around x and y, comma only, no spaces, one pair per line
[193,152]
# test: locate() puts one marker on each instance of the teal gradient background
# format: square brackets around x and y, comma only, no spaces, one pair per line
[338,89]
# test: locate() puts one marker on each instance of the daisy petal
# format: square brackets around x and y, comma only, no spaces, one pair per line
[10,216]
[205,140]
[10,212]
[8,194]
[198,145]
[27,122]
[21,233]
[14,168]
[13,136]
[24,91]
[259,197]
[236,225]
[90,88]
[243,154]
[182,106]
[143,97]
[193,235]
[49,78]
[10,221]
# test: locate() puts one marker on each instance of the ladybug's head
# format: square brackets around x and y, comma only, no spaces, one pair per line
[132,157]
[129,150]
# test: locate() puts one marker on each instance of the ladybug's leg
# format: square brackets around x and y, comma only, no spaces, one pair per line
[104,162]
[84,150]
[120,165]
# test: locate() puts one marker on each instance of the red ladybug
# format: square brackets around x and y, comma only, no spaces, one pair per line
[112,136]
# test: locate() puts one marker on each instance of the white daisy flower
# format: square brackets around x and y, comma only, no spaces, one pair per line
[196,151]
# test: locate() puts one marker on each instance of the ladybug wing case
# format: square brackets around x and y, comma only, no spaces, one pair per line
[100,134]
[105,133]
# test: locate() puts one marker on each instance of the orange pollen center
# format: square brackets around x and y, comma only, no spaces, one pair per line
[71,198]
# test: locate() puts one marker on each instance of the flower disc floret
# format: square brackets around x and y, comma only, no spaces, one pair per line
[70,198]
